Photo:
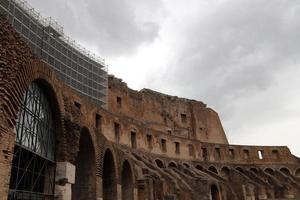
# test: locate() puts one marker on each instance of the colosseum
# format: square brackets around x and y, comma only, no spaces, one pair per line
[70,131]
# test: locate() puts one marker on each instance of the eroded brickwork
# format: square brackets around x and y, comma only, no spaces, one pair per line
[175,148]
[177,116]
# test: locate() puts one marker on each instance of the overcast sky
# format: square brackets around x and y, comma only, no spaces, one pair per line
[240,57]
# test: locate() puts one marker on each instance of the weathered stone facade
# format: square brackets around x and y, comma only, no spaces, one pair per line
[144,145]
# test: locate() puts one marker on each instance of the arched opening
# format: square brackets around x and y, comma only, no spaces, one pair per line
[109,182]
[214,193]
[159,163]
[254,170]
[269,171]
[186,165]
[172,165]
[85,177]
[33,164]
[225,173]
[199,167]
[239,169]
[286,171]
[297,173]
[127,182]
[213,169]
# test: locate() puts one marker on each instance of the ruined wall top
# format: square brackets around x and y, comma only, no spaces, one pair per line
[171,114]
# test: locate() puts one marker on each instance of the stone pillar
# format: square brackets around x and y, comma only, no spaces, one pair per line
[289,193]
[135,194]
[119,192]
[262,193]
[248,191]
[65,178]
[7,142]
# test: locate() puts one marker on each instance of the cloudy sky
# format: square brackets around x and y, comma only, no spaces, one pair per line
[241,57]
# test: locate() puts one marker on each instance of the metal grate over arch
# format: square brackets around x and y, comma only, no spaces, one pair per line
[33,165]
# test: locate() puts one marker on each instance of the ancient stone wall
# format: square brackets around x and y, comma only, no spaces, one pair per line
[176,116]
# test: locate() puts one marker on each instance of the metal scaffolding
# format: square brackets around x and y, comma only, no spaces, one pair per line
[75,65]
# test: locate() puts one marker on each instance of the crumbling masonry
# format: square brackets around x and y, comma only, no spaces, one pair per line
[143,145]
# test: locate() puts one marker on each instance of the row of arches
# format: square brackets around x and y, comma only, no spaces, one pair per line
[85,184]
[38,148]
[44,128]
[225,170]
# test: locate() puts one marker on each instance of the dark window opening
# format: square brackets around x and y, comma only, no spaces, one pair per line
[149,141]
[133,139]
[98,121]
[78,105]
[183,118]
[169,132]
[186,165]
[213,169]
[217,154]
[191,150]
[172,165]
[231,153]
[117,132]
[163,145]
[204,153]
[275,154]
[119,102]
[159,163]
[177,147]
[246,154]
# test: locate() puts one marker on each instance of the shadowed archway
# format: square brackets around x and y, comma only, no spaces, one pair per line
[172,165]
[213,169]
[127,182]
[159,163]
[109,183]
[85,177]
[214,193]
[225,173]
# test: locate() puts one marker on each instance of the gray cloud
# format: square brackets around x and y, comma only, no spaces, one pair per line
[236,50]
[114,27]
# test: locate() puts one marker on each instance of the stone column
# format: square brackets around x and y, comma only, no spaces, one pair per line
[119,192]
[65,178]
[262,193]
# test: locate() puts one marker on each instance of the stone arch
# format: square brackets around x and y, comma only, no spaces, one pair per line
[42,75]
[172,165]
[186,165]
[109,178]
[239,169]
[213,169]
[199,167]
[127,181]
[225,172]
[55,96]
[254,170]
[38,122]
[269,170]
[285,170]
[18,77]
[297,172]
[214,192]
[85,177]
[159,163]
